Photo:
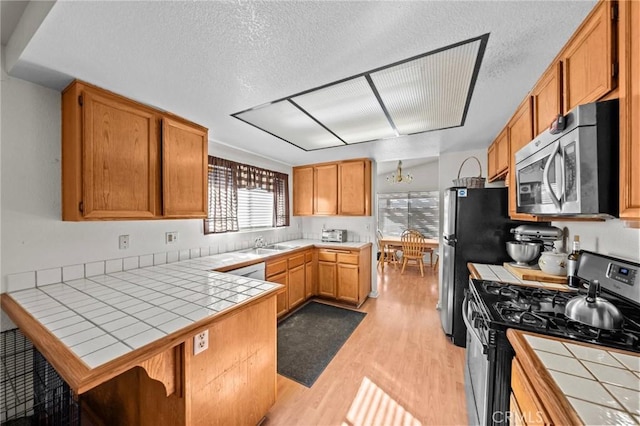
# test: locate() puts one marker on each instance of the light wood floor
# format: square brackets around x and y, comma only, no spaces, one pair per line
[397,368]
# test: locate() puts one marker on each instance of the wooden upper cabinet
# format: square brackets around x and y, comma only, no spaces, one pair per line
[330,189]
[303,191]
[502,152]
[630,111]
[492,162]
[185,149]
[110,157]
[498,156]
[588,58]
[354,188]
[115,165]
[547,98]
[520,130]
[325,188]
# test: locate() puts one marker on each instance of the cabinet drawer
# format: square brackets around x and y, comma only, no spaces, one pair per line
[327,256]
[276,267]
[348,258]
[308,257]
[296,260]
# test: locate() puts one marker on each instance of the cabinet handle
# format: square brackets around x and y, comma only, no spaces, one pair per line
[336,251]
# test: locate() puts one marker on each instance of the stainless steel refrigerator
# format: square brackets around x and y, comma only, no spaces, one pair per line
[476,228]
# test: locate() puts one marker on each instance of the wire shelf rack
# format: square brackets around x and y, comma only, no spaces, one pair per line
[31,391]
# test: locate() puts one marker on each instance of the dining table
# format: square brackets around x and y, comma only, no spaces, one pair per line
[388,241]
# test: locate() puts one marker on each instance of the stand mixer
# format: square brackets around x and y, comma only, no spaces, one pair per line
[530,241]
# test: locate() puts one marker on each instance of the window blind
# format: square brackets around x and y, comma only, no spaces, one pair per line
[242,196]
[399,211]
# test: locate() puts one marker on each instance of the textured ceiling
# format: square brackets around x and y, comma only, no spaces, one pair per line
[205,60]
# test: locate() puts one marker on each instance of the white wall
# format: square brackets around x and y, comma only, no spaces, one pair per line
[33,235]
[609,238]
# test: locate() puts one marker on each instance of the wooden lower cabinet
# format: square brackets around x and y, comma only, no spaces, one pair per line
[327,274]
[526,407]
[296,286]
[295,272]
[345,275]
[231,382]
[309,281]
[348,283]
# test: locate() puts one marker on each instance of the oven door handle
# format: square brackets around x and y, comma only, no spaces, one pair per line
[470,328]
[545,175]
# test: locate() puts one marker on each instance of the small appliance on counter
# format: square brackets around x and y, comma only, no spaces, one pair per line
[334,235]
[530,242]
[608,316]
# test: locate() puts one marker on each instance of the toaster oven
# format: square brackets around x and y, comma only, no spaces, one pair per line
[334,235]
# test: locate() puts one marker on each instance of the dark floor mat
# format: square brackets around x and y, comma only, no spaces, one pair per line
[310,338]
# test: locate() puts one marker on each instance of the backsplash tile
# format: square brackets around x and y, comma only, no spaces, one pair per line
[172,256]
[195,253]
[146,260]
[48,276]
[159,258]
[93,269]
[113,265]
[129,263]
[72,272]
[184,254]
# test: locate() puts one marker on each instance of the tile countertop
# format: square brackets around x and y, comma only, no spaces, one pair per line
[601,385]
[501,274]
[102,318]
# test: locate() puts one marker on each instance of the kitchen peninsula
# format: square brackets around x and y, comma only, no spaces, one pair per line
[125,341]
[97,331]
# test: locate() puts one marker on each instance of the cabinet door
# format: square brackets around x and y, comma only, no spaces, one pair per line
[281,302]
[520,133]
[303,191]
[630,111]
[502,152]
[295,289]
[327,279]
[184,169]
[354,188]
[325,189]
[348,283]
[492,164]
[588,59]
[526,399]
[547,99]
[309,282]
[120,157]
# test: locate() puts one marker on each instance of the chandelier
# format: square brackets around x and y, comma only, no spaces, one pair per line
[398,177]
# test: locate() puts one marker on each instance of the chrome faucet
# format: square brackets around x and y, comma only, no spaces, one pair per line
[259,242]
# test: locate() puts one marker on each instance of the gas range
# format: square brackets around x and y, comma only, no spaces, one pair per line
[543,311]
[490,308]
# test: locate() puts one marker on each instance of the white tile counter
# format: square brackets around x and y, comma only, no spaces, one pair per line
[101,318]
[106,316]
[602,386]
[501,274]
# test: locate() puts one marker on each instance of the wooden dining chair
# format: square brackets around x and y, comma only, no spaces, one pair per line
[387,253]
[412,249]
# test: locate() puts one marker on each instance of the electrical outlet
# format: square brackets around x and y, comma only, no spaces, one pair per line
[171,237]
[200,342]
[123,242]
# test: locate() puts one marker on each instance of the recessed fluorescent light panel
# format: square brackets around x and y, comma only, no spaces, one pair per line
[427,92]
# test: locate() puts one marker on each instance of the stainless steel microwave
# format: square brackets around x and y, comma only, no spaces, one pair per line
[571,169]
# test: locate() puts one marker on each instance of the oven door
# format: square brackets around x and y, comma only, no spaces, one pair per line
[547,181]
[477,366]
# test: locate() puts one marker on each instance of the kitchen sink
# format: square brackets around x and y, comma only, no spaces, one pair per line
[260,250]
[279,247]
